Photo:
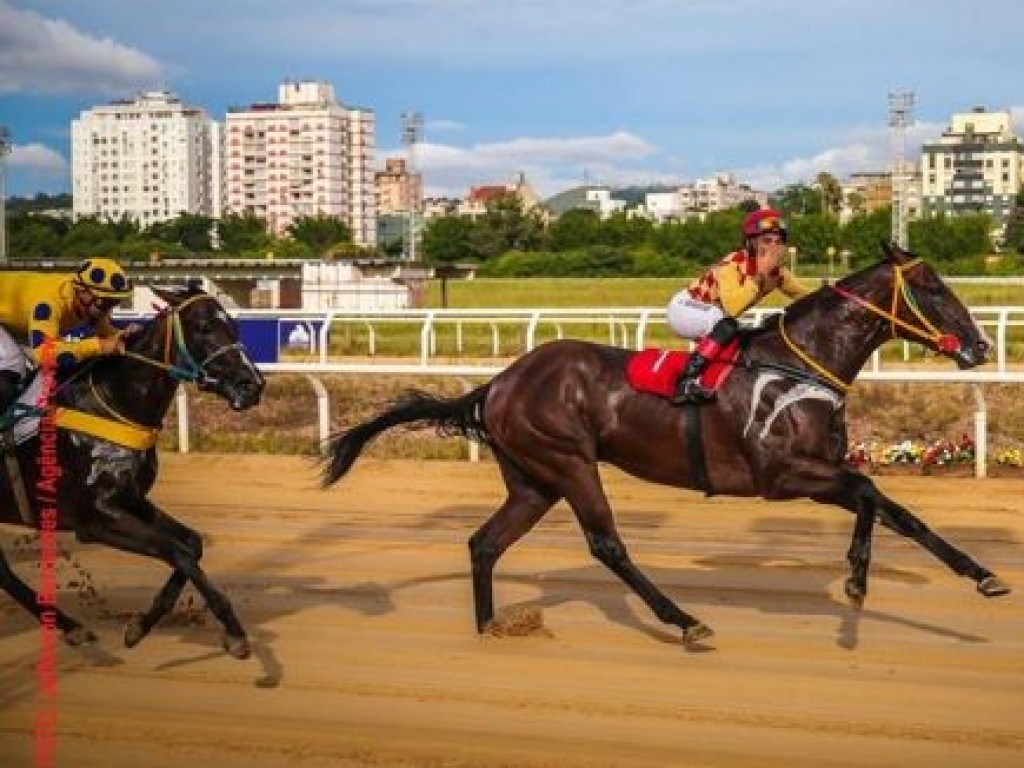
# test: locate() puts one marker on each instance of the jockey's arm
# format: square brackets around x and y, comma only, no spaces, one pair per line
[790,286]
[737,291]
[44,338]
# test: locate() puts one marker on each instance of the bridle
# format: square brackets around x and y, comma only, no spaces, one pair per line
[186,368]
[945,342]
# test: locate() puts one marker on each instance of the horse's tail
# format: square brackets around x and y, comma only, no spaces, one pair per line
[457,416]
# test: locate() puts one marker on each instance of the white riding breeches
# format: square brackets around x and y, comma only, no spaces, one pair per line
[12,356]
[690,318]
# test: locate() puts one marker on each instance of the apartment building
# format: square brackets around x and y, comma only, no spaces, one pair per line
[719,193]
[147,158]
[305,155]
[398,191]
[976,166]
[872,191]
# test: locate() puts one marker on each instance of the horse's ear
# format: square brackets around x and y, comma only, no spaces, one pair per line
[194,286]
[173,296]
[893,252]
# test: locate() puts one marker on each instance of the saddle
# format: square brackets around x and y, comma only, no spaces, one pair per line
[656,370]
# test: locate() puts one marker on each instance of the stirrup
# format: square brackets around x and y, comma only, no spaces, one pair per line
[691,391]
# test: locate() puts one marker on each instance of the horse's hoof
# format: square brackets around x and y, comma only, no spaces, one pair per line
[993,586]
[696,633]
[855,592]
[79,635]
[134,631]
[237,646]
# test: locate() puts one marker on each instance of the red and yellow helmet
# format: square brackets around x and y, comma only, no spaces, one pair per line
[103,278]
[764,220]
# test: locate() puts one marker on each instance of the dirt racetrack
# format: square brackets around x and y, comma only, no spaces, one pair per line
[358,604]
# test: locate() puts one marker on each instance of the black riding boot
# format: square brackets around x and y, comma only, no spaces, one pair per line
[688,386]
[10,388]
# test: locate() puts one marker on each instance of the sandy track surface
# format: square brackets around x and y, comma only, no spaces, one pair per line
[358,604]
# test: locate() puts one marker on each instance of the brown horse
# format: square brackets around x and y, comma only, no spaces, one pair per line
[776,430]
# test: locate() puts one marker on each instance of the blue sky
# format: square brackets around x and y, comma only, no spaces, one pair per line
[615,91]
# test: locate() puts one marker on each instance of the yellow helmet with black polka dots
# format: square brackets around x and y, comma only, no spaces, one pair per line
[103,278]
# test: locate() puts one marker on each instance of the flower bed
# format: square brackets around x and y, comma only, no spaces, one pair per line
[909,457]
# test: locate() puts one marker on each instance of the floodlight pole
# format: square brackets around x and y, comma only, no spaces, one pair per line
[412,132]
[901,114]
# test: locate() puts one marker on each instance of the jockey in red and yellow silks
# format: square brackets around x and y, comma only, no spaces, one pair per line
[707,309]
[38,309]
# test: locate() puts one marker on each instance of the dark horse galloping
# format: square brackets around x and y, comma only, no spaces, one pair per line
[777,429]
[102,487]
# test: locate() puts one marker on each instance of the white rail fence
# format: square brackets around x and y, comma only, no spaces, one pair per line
[627,327]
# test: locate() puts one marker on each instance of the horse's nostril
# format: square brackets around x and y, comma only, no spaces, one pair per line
[982,346]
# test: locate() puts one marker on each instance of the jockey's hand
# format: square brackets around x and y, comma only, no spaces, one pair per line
[112,345]
[770,257]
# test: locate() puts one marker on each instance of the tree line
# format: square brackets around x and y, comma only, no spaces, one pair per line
[509,240]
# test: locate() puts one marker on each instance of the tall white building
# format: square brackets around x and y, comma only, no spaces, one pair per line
[148,158]
[305,155]
[976,166]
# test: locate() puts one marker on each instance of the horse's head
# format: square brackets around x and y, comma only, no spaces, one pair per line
[926,311]
[206,341]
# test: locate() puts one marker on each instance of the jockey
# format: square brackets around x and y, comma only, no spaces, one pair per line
[38,308]
[708,308]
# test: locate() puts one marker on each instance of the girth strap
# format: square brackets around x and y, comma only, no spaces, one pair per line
[695,448]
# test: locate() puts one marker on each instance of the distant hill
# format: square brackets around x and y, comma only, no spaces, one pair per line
[635,195]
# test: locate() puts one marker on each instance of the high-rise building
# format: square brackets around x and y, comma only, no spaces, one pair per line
[976,166]
[305,155]
[147,158]
[398,191]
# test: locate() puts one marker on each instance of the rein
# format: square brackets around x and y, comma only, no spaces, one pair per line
[187,369]
[926,330]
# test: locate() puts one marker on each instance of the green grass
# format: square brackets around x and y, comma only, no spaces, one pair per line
[630,292]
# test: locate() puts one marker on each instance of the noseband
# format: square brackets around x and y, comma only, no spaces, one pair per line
[946,342]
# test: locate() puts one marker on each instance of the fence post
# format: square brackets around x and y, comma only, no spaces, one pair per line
[980,433]
[323,410]
[182,403]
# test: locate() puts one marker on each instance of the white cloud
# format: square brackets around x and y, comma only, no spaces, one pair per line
[37,159]
[39,54]
[550,164]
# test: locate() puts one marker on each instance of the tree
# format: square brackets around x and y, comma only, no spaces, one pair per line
[447,239]
[798,199]
[1014,237]
[243,234]
[506,226]
[855,202]
[191,232]
[831,193]
[35,236]
[574,229]
[320,232]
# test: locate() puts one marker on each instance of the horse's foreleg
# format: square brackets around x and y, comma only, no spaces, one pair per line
[125,531]
[74,633]
[826,483]
[525,505]
[140,625]
[588,501]
[903,522]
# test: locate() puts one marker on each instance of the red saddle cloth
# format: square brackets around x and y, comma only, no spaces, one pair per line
[656,370]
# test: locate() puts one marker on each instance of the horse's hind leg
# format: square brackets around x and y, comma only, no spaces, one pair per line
[584,492]
[140,625]
[74,633]
[527,502]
